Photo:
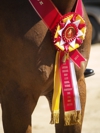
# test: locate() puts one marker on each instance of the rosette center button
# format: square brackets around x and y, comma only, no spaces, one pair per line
[69,33]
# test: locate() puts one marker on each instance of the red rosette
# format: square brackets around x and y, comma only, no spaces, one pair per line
[69,33]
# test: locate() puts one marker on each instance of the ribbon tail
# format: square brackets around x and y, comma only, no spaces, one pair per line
[76,57]
[56,93]
[71,98]
[79,8]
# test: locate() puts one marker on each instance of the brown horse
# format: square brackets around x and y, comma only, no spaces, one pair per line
[27,58]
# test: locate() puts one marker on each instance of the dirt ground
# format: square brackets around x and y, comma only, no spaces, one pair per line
[91,124]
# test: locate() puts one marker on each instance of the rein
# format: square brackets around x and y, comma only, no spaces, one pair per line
[68,34]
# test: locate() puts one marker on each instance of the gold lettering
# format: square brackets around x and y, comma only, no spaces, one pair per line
[68,85]
[69,100]
[76,57]
[40,2]
[68,93]
[69,104]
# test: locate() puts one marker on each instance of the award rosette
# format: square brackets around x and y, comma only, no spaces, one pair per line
[70,32]
[68,36]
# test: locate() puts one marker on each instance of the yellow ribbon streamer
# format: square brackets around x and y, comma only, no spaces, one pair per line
[57,91]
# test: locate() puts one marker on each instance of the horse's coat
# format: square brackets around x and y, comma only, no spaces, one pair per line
[27,58]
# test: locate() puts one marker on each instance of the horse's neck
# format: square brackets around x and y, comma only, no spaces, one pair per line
[17,15]
[64,6]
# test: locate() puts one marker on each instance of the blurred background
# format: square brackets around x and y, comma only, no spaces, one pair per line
[93,10]
[91,124]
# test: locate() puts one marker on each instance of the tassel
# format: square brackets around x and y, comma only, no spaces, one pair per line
[54,117]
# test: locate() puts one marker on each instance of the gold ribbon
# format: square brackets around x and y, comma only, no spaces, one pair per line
[57,92]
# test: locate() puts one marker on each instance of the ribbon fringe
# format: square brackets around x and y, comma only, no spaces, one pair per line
[54,117]
[72,118]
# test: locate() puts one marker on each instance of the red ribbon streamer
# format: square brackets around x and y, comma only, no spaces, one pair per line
[67,84]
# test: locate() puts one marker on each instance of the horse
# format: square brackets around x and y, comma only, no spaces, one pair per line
[27,58]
